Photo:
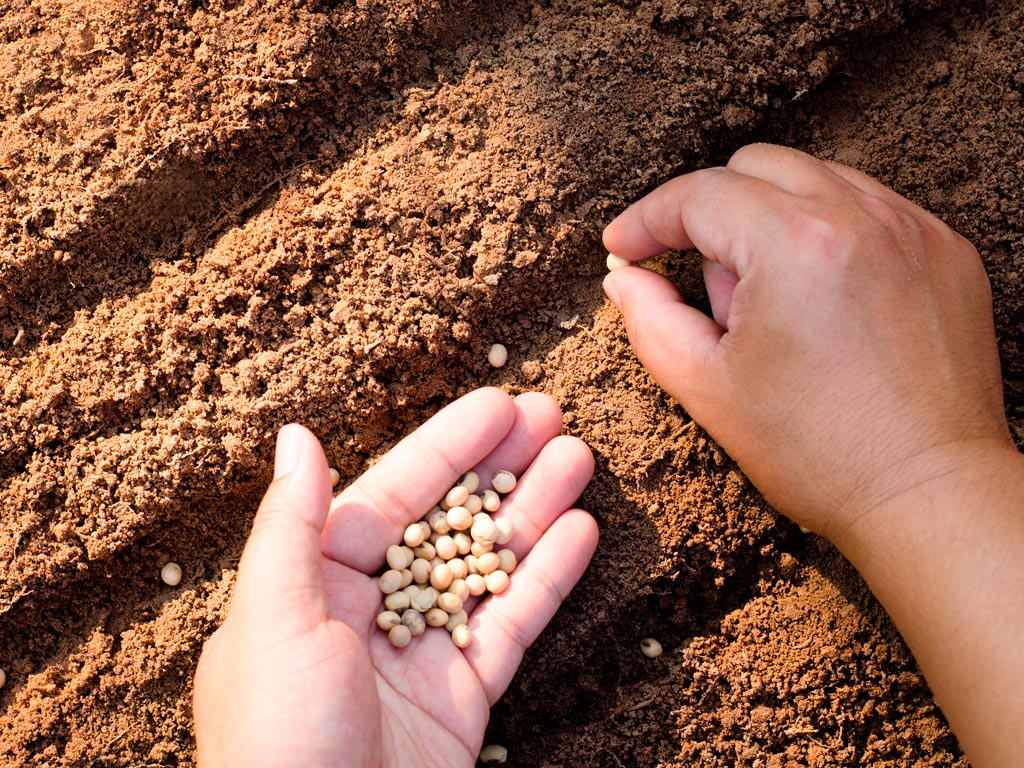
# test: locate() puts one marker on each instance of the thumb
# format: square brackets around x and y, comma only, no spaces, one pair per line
[674,341]
[279,576]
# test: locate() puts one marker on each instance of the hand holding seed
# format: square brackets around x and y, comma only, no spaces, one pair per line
[317,661]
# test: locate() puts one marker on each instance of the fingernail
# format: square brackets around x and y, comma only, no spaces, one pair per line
[289,450]
[612,291]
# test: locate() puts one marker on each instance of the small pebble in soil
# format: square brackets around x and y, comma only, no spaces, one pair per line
[171,574]
[493,754]
[650,648]
[497,355]
[616,262]
[430,574]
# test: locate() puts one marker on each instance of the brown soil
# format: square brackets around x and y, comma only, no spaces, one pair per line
[216,218]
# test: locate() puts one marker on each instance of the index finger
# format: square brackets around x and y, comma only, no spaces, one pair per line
[719,211]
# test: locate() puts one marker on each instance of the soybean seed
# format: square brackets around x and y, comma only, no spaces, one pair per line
[445,547]
[171,574]
[397,601]
[616,262]
[425,600]
[481,547]
[503,481]
[415,535]
[492,501]
[650,648]
[507,560]
[449,602]
[425,550]
[456,619]
[335,477]
[457,588]
[457,496]
[463,543]
[493,754]
[388,619]
[487,562]
[406,577]
[497,355]
[3,678]
[399,557]
[441,577]
[436,617]
[438,520]
[458,568]
[459,518]
[400,636]
[415,622]
[476,584]
[470,481]
[461,636]
[484,528]
[420,570]
[390,581]
[496,581]
[473,503]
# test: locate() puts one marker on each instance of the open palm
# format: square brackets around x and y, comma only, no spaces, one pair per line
[299,674]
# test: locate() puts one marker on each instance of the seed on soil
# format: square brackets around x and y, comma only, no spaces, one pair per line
[650,648]
[461,636]
[493,754]
[503,481]
[497,356]
[400,636]
[444,559]
[3,678]
[171,574]
[335,477]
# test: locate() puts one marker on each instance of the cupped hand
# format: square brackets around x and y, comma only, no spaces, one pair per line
[851,354]
[299,674]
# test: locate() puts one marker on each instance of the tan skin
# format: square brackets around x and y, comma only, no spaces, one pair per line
[850,368]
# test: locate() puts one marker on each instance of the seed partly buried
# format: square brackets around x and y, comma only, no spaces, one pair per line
[446,558]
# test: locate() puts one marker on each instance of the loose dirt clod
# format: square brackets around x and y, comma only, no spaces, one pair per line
[431,574]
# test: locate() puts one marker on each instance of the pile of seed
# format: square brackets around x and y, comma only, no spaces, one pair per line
[446,558]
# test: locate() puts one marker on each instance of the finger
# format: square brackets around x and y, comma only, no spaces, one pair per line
[279,575]
[552,484]
[724,214]
[675,342]
[505,625]
[721,283]
[789,169]
[538,419]
[373,512]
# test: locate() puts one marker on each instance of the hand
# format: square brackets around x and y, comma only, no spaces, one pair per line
[852,352]
[299,674]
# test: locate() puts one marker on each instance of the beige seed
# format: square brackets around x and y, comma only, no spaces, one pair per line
[484,528]
[3,678]
[457,588]
[441,577]
[492,501]
[470,481]
[459,518]
[488,562]
[445,547]
[476,584]
[457,618]
[470,561]
[425,550]
[650,648]
[399,557]
[415,622]
[436,617]
[503,481]
[481,547]
[505,530]
[406,578]
[493,754]
[420,570]
[497,355]
[397,601]
[335,477]
[171,574]
[616,262]
[507,560]
[388,619]
[474,504]
[457,496]
[425,600]
[415,535]
[438,520]
[496,581]
[400,636]
[449,602]
[458,568]
[390,581]
[412,590]
[461,636]
[463,543]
